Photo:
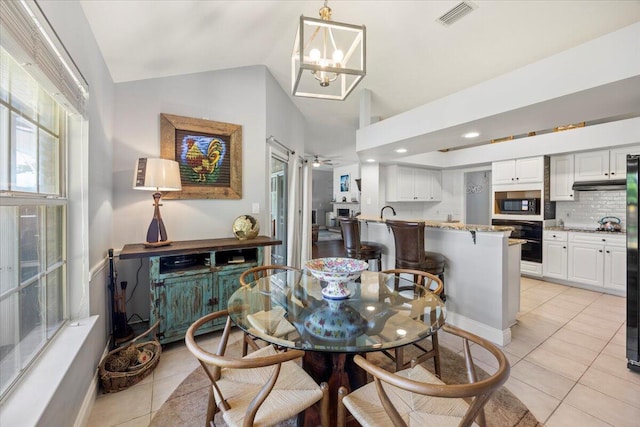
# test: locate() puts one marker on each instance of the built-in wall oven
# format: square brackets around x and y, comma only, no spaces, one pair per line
[531,232]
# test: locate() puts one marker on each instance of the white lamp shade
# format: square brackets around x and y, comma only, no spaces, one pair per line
[157,175]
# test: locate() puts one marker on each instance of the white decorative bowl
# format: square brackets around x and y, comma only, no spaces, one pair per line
[337,272]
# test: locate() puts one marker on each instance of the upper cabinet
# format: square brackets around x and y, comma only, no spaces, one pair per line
[593,166]
[603,164]
[407,184]
[519,171]
[561,181]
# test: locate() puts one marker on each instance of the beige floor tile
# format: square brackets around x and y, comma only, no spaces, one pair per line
[450,341]
[616,350]
[566,366]
[590,330]
[612,386]
[543,379]
[603,407]
[482,354]
[539,403]
[616,367]
[602,312]
[580,339]
[561,313]
[116,408]
[163,388]
[561,347]
[611,326]
[520,347]
[568,416]
[175,361]
[142,421]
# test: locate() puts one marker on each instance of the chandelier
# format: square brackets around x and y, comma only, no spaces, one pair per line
[328,59]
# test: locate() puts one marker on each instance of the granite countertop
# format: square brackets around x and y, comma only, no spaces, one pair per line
[583,230]
[453,225]
[513,242]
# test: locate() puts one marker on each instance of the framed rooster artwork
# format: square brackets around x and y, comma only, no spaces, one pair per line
[209,154]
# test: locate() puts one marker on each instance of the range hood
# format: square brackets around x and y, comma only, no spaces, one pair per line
[614,184]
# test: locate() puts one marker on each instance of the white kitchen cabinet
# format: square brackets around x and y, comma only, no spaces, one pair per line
[518,171]
[603,164]
[407,184]
[598,260]
[592,166]
[561,180]
[586,264]
[615,268]
[618,160]
[554,254]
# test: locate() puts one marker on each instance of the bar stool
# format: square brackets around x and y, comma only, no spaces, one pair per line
[410,253]
[354,247]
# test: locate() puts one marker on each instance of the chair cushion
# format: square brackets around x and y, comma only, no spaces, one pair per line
[293,392]
[415,409]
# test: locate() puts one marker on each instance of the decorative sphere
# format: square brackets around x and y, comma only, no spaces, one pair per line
[245,227]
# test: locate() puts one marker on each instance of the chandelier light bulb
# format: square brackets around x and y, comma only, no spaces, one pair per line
[314,55]
[338,56]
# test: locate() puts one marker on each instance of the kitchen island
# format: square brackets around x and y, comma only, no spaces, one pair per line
[482,272]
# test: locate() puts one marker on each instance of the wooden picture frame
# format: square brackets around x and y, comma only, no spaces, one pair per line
[209,154]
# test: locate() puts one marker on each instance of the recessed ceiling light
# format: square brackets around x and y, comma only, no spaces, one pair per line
[471,135]
[401,150]
[371,160]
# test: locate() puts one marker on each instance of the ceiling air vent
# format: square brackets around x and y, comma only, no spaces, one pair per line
[457,12]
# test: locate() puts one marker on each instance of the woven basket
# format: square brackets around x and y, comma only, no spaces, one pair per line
[117,381]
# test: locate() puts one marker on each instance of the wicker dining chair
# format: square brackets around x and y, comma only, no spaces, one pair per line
[415,396]
[252,275]
[434,284]
[263,388]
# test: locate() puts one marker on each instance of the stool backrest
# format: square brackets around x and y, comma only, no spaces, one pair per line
[409,240]
[351,234]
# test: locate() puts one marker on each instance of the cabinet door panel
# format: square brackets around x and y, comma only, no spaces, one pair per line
[615,268]
[405,184]
[503,172]
[182,302]
[562,177]
[555,260]
[421,185]
[592,166]
[529,170]
[435,182]
[586,264]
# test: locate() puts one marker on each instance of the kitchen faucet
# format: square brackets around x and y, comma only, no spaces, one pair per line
[385,207]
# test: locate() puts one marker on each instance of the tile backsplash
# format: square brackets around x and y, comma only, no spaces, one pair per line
[590,206]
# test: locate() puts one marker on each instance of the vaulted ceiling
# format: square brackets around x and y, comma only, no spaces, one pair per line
[412,59]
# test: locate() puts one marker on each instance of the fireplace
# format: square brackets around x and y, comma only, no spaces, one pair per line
[342,212]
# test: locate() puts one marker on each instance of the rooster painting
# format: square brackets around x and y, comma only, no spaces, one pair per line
[203,165]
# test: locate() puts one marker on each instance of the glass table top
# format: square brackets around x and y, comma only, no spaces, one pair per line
[288,309]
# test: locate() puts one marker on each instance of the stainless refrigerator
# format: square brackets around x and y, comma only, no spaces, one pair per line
[633,285]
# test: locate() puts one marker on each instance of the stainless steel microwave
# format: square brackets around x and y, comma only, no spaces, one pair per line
[520,206]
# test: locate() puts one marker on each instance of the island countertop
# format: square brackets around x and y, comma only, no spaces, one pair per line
[442,224]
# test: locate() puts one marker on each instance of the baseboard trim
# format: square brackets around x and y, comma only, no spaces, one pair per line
[82,419]
[497,336]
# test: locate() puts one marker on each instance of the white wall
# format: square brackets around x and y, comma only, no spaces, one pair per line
[68,20]
[354,173]
[590,206]
[246,96]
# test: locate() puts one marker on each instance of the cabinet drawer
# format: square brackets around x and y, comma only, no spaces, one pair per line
[555,236]
[598,238]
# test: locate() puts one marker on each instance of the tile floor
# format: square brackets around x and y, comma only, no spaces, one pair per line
[567,364]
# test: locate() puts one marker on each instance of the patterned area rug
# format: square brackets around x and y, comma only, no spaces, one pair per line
[188,404]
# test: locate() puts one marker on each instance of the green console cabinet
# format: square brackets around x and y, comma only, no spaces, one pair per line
[192,278]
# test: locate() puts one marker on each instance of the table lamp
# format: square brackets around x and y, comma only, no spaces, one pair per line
[157,175]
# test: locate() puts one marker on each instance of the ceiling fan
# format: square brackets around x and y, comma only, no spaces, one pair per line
[316,162]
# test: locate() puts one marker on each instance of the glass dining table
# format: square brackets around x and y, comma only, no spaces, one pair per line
[288,309]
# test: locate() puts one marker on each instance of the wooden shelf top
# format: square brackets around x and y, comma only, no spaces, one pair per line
[139,250]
